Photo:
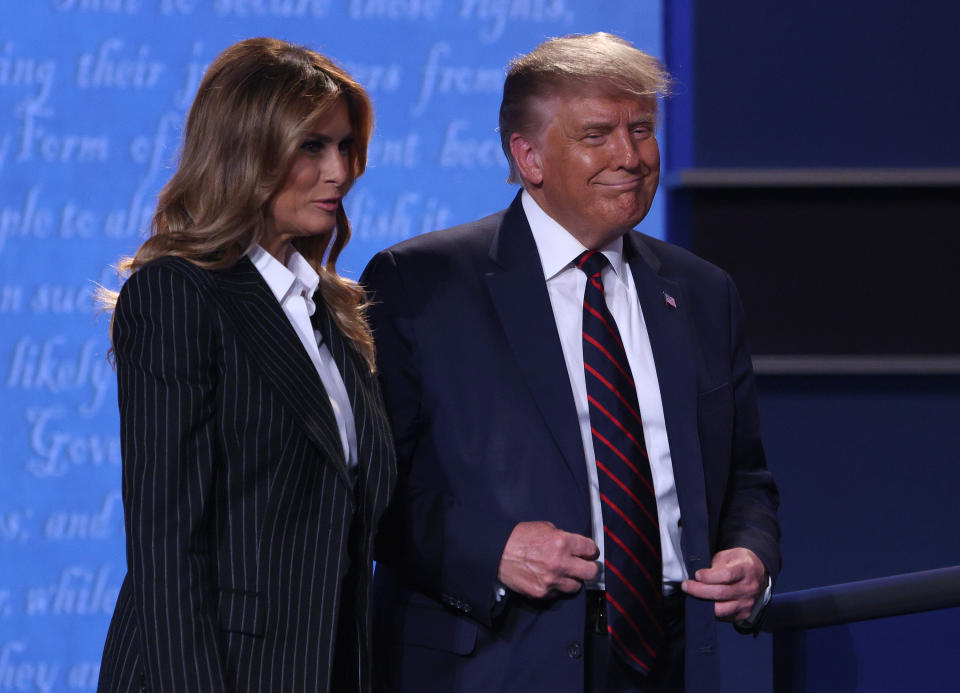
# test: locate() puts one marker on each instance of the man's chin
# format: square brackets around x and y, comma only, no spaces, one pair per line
[628,210]
[629,221]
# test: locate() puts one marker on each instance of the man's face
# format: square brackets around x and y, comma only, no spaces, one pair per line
[599,164]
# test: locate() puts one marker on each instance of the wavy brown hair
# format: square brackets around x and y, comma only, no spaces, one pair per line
[254,106]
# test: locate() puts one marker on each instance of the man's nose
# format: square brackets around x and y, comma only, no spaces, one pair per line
[626,153]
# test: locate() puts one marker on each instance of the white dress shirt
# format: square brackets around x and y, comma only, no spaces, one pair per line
[565,285]
[294,285]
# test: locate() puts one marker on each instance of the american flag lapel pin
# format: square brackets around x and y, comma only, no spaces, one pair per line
[669,300]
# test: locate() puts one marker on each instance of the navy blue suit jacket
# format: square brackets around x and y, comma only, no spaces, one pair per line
[487,436]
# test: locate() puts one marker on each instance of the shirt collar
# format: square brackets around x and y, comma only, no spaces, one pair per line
[557,247]
[296,276]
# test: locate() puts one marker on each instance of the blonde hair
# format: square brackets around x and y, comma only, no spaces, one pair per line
[597,61]
[254,105]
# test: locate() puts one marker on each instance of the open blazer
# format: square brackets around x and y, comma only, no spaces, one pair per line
[487,436]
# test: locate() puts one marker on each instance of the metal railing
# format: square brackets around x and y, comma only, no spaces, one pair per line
[867,599]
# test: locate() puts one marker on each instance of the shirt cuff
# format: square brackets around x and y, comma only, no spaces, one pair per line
[759,606]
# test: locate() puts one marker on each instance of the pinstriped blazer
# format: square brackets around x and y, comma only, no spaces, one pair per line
[249,544]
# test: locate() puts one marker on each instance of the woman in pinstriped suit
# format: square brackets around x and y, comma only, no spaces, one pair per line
[256,455]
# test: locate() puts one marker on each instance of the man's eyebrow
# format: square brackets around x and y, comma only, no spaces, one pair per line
[642,119]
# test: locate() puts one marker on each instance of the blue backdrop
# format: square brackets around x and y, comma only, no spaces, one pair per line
[93,94]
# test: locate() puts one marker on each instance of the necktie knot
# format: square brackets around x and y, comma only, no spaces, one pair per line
[592,262]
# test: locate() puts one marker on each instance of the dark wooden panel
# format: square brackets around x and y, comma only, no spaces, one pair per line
[849,271]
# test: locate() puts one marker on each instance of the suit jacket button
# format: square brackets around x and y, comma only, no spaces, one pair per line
[575,650]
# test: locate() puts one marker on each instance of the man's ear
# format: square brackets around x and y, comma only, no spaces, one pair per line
[527,158]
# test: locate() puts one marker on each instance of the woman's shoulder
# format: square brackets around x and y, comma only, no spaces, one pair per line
[172,270]
[170,264]
[166,281]
[164,303]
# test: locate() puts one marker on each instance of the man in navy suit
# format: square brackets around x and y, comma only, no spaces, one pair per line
[583,488]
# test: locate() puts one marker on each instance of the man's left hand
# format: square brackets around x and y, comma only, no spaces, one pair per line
[735,581]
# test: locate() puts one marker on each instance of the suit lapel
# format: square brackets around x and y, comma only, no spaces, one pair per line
[668,328]
[267,336]
[346,358]
[519,293]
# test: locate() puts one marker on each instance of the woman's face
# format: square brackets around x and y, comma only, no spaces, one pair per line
[307,202]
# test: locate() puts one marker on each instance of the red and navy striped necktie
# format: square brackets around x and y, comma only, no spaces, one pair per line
[632,559]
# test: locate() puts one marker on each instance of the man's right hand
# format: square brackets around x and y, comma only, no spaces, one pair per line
[541,561]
